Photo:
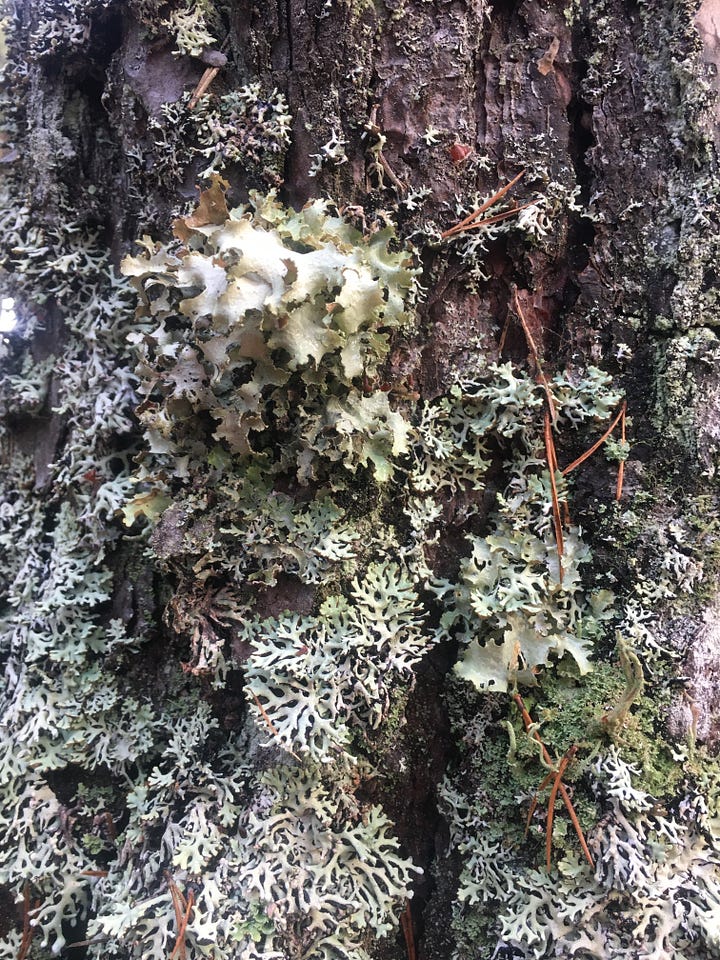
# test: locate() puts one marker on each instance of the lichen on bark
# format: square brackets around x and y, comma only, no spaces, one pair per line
[256,664]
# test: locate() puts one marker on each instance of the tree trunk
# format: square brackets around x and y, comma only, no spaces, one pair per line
[313,645]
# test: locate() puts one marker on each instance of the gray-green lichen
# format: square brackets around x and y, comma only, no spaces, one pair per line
[250,307]
[248,126]
[278,470]
[259,340]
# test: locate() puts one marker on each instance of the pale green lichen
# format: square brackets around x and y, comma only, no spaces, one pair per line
[512,605]
[256,327]
[260,372]
[653,891]
[277,304]
[317,678]
[188,24]
[60,29]
[660,871]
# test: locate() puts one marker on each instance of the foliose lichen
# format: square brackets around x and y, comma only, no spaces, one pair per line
[263,333]
[260,340]
[248,126]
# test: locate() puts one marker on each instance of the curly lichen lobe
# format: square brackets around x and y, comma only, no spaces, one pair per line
[272,324]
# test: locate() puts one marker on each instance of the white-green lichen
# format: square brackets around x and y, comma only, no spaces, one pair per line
[318,678]
[278,305]
[260,342]
[188,24]
[514,604]
[249,126]
[260,339]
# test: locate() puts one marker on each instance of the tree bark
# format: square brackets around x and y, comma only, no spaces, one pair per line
[162,798]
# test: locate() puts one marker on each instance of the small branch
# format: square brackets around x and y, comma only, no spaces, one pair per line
[402,187]
[206,79]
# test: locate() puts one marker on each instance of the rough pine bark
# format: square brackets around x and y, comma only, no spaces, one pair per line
[175,783]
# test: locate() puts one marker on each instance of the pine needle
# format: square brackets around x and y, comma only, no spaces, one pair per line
[551,455]
[619,418]
[407,928]
[536,356]
[467,223]
[558,785]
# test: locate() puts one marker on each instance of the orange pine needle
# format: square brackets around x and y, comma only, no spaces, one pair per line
[550,449]
[535,800]
[536,356]
[552,467]
[407,929]
[180,945]
[203,86]
[263,712]
[491,201]
[495,198]
[551,811]
[28,931]
[578,829]
[270,725]
[619,418]
[178,900]
[487,222]
[527,720]
[503,335]
[561,788]
[621,465]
